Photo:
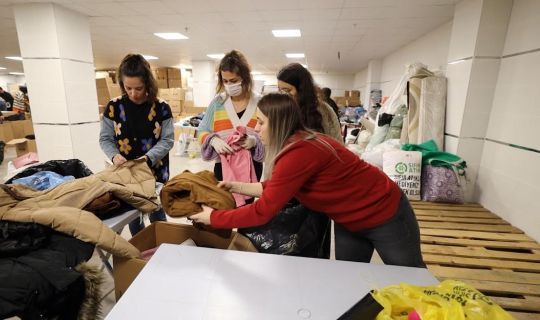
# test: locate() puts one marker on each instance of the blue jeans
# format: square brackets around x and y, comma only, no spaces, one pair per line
[138,224]
[397,241]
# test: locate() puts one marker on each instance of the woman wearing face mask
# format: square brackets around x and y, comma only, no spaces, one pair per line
[138,125]
[316,114]
[234,105]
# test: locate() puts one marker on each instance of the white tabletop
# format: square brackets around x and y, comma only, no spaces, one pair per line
[118,222]
[183,282]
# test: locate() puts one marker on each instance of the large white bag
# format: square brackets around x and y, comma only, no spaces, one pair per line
[404,168]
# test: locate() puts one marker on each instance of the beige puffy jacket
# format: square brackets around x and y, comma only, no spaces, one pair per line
[61,208]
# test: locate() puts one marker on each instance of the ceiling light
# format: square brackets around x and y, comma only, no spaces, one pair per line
[2,68]
[150,57]
[17,73]
[295,55]
[291,33]
[255,72]
[215,55]
[171,35]
[304,65]
[14,58]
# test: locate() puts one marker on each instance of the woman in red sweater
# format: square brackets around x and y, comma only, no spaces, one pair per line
[369,209]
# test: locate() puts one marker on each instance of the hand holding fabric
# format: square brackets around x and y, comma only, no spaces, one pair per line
[248,142]
[118,159]
[203,216]
[221,146]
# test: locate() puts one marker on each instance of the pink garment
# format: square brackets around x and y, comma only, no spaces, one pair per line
[147,254]
[239,165]
[25,159]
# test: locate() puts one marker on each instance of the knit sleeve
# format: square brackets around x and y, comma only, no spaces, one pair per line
[331,124]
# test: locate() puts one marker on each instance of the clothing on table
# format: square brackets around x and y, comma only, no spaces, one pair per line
[221,119]
[239,165]
[43,180]
[135,130]
[330,122]
[320,178]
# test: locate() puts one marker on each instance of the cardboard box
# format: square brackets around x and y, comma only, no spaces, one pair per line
[104,82]
[162,84]
[347,94]
[177,93]
[175,83]
[355,94]
[176,106]
[23,146]
[126,270]
[173,73]
[160,73]
[165,94]
[5,131]
[193,110]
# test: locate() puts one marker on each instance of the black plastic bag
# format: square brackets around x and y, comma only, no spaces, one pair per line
[295,230]
[71,167]
[2,147]
[366,309]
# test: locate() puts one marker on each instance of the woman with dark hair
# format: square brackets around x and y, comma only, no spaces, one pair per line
[138,125]
[316,114]
[234,106]
[369,209]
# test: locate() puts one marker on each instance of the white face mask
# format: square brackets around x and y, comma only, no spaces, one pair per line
[234,89]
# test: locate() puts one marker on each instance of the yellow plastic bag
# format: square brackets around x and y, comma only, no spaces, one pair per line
[449,300]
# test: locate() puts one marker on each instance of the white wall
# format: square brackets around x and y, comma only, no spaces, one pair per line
[5,80]
[338,83]
[509,177]
[431,49]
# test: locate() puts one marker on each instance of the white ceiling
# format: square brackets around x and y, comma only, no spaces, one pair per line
[360,30]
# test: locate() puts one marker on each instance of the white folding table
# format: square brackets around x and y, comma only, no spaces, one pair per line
[183,282]
[117,223]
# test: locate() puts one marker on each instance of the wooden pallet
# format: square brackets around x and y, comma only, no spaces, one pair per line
[471,244]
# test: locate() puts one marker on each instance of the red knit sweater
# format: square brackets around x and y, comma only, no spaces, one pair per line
[348,190]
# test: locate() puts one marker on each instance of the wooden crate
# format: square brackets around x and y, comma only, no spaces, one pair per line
[471,244]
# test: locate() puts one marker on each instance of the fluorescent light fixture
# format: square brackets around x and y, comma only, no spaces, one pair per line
[291,33]
[215,55]
[255,72]
[304,65]
[14,58]
[2,68]
[171,35]
[295,55]
[149,57]
[17,73]
[456,61]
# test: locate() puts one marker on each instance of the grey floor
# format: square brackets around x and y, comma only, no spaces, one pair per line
[178,164]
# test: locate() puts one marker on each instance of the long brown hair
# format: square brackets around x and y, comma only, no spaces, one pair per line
[235,62]
[135,65]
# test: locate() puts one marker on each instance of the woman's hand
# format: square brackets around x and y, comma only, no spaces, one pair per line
[226,185]
[221,146]
[248,142]
[203,216]
[118,159]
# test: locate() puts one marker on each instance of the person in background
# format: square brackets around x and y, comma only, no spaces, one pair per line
[316,115]
[21,103]
[326,93]
[369,209]
[138,125]
[8,98]
[235,104]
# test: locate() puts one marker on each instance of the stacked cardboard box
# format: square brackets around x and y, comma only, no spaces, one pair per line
[106,90]
[350,98]
[175,97]
[15,132]
[168,78]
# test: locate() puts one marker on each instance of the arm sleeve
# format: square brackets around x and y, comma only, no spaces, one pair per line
[334,128]
[257,153]
[288,177]
[106,138]
[165,142]
[205,126]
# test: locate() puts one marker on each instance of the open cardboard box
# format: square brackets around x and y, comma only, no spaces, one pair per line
[126,270]
[23,146]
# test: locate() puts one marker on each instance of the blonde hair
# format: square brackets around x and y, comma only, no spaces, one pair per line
[284,121]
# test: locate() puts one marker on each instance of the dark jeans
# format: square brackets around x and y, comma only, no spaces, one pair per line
[138,224]
[397,241]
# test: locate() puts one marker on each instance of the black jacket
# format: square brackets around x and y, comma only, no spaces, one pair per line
[37,279]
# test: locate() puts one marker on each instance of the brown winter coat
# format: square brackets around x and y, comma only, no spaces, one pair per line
[61,208]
